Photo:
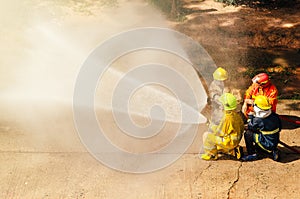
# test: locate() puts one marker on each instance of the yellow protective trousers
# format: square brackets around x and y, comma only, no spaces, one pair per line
[226,136]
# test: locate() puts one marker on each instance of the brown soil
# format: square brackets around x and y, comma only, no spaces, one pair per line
[247,40]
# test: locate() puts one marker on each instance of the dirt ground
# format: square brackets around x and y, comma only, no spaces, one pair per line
[44,45]
[248,40]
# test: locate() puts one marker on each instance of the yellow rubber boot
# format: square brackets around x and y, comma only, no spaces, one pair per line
[238,152]
[208,157]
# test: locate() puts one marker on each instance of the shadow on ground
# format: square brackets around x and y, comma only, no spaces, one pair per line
[267,4]
[293,106]
[287,155]
[290,121]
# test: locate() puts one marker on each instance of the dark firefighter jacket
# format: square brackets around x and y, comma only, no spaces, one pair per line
[266,131]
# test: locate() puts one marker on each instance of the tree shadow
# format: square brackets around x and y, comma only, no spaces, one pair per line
[282,65]
[293,106]
[249,41]
[193,10]
[266,4]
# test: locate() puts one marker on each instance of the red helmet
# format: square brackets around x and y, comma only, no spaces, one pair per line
[261,79]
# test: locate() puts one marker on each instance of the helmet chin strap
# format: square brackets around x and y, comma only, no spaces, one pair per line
[265,85]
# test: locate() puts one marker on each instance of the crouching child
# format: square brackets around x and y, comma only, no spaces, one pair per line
[226,136]
[262,134]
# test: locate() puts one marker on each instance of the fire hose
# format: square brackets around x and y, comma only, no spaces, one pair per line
[289,120]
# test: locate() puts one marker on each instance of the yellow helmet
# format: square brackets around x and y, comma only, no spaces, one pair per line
[262,102]
[220,74]
[229,101]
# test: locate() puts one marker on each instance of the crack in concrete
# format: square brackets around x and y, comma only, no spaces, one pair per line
[235,181]
[247,192]
[196,179]
[197,176]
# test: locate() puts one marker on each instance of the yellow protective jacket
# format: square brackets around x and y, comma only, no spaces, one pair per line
[230,130]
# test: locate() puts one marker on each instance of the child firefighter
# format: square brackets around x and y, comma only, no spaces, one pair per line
[226,136]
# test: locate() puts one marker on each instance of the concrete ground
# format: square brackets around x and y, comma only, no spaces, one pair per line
[44,158]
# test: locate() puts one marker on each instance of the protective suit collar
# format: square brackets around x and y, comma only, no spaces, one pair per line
[261,113]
